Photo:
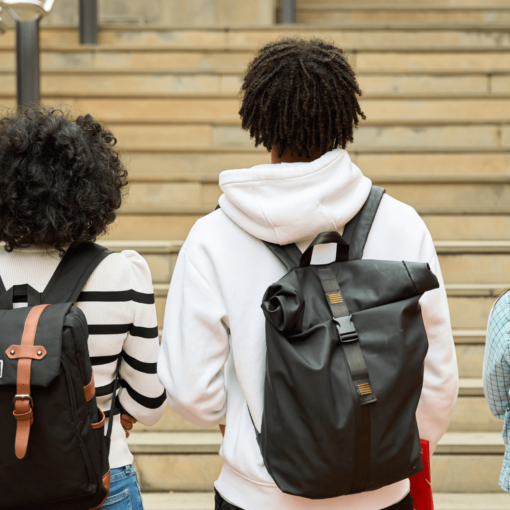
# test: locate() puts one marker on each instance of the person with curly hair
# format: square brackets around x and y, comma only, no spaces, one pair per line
[300,100]
[61,184]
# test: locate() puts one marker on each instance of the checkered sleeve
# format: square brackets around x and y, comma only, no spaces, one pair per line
[496,374]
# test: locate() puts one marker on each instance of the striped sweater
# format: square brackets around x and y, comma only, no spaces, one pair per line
[118,302]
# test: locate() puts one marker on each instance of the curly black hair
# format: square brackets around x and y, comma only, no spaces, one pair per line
[61,181]
[300,95]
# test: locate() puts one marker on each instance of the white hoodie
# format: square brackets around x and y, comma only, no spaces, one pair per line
[212,360]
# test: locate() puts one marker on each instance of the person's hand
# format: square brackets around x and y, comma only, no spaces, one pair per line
[222,429]
[127,423]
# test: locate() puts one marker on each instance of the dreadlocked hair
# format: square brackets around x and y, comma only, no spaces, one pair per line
[300,95]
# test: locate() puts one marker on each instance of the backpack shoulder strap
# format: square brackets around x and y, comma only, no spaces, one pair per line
[289,255]
[73,272]
[357,230]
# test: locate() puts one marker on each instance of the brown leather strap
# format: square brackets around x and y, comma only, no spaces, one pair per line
[23,404]
[100,423]
[26,351]
[106,485]
[90,389]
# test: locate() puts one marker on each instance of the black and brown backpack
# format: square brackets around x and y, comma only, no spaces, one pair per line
[54,449]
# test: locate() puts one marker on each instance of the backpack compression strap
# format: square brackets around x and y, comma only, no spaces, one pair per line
[357,230]
[360,382]
[25,353]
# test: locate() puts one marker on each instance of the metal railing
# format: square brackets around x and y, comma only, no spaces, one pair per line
[27,14]
[288,11]
[2,26]
[88,22]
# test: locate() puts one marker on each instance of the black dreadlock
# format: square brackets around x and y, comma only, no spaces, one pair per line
[300,95]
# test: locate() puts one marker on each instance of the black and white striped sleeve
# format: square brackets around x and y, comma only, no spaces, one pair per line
[142,395]
[118,302]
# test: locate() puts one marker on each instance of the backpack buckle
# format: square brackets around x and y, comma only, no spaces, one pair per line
[346,330]
[24,397]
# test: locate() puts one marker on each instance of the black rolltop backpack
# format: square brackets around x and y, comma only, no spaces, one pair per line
[54,450]
[344,370]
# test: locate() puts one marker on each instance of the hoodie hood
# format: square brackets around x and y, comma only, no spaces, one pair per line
[292,202]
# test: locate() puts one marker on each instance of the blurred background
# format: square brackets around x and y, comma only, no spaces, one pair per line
[165,76]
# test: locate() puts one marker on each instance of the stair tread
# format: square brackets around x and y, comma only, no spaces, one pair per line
[148,94]
[485,501]
[471,387]
[249,48]
[454,289]
[175,442]
[407,7]
[210,442]
[441,246]
[178,501]
[442,501]
[471,438]
[218,71]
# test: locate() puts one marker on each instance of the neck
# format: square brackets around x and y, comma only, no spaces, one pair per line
[287,157]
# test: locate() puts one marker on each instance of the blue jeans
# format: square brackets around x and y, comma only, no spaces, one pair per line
[124,490]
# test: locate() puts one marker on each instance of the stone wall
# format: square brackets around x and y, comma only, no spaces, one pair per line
[167,13]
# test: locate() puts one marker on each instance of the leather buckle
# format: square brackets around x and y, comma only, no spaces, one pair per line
[346,330]
[24,397]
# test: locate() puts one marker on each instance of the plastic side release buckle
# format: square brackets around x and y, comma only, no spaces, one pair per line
[346,329]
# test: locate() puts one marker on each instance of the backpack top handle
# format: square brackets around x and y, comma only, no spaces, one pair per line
[342,250]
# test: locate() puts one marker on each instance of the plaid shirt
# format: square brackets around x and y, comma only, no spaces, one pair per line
[496,374]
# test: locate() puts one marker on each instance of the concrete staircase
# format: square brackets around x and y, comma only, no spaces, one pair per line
[436,94]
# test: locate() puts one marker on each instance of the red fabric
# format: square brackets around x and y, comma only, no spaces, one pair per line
[421,488]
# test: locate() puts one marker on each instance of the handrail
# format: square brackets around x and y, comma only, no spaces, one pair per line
[88,22]
[27,10]
[288,11]
[2,26]
[27,14]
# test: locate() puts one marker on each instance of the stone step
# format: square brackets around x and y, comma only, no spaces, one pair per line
[200,165]
[325,13]
[469,304]
[235,58]
[144,227]
[471,414]
[470,359]
[175,136]
[470,501]
[469,263]
[189,108]
[471,387]
[188,461]
[427,197]
[425,35]
[179,501]
[472,227]
[442,501]
[139,82]
[176,461]
[408,3]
